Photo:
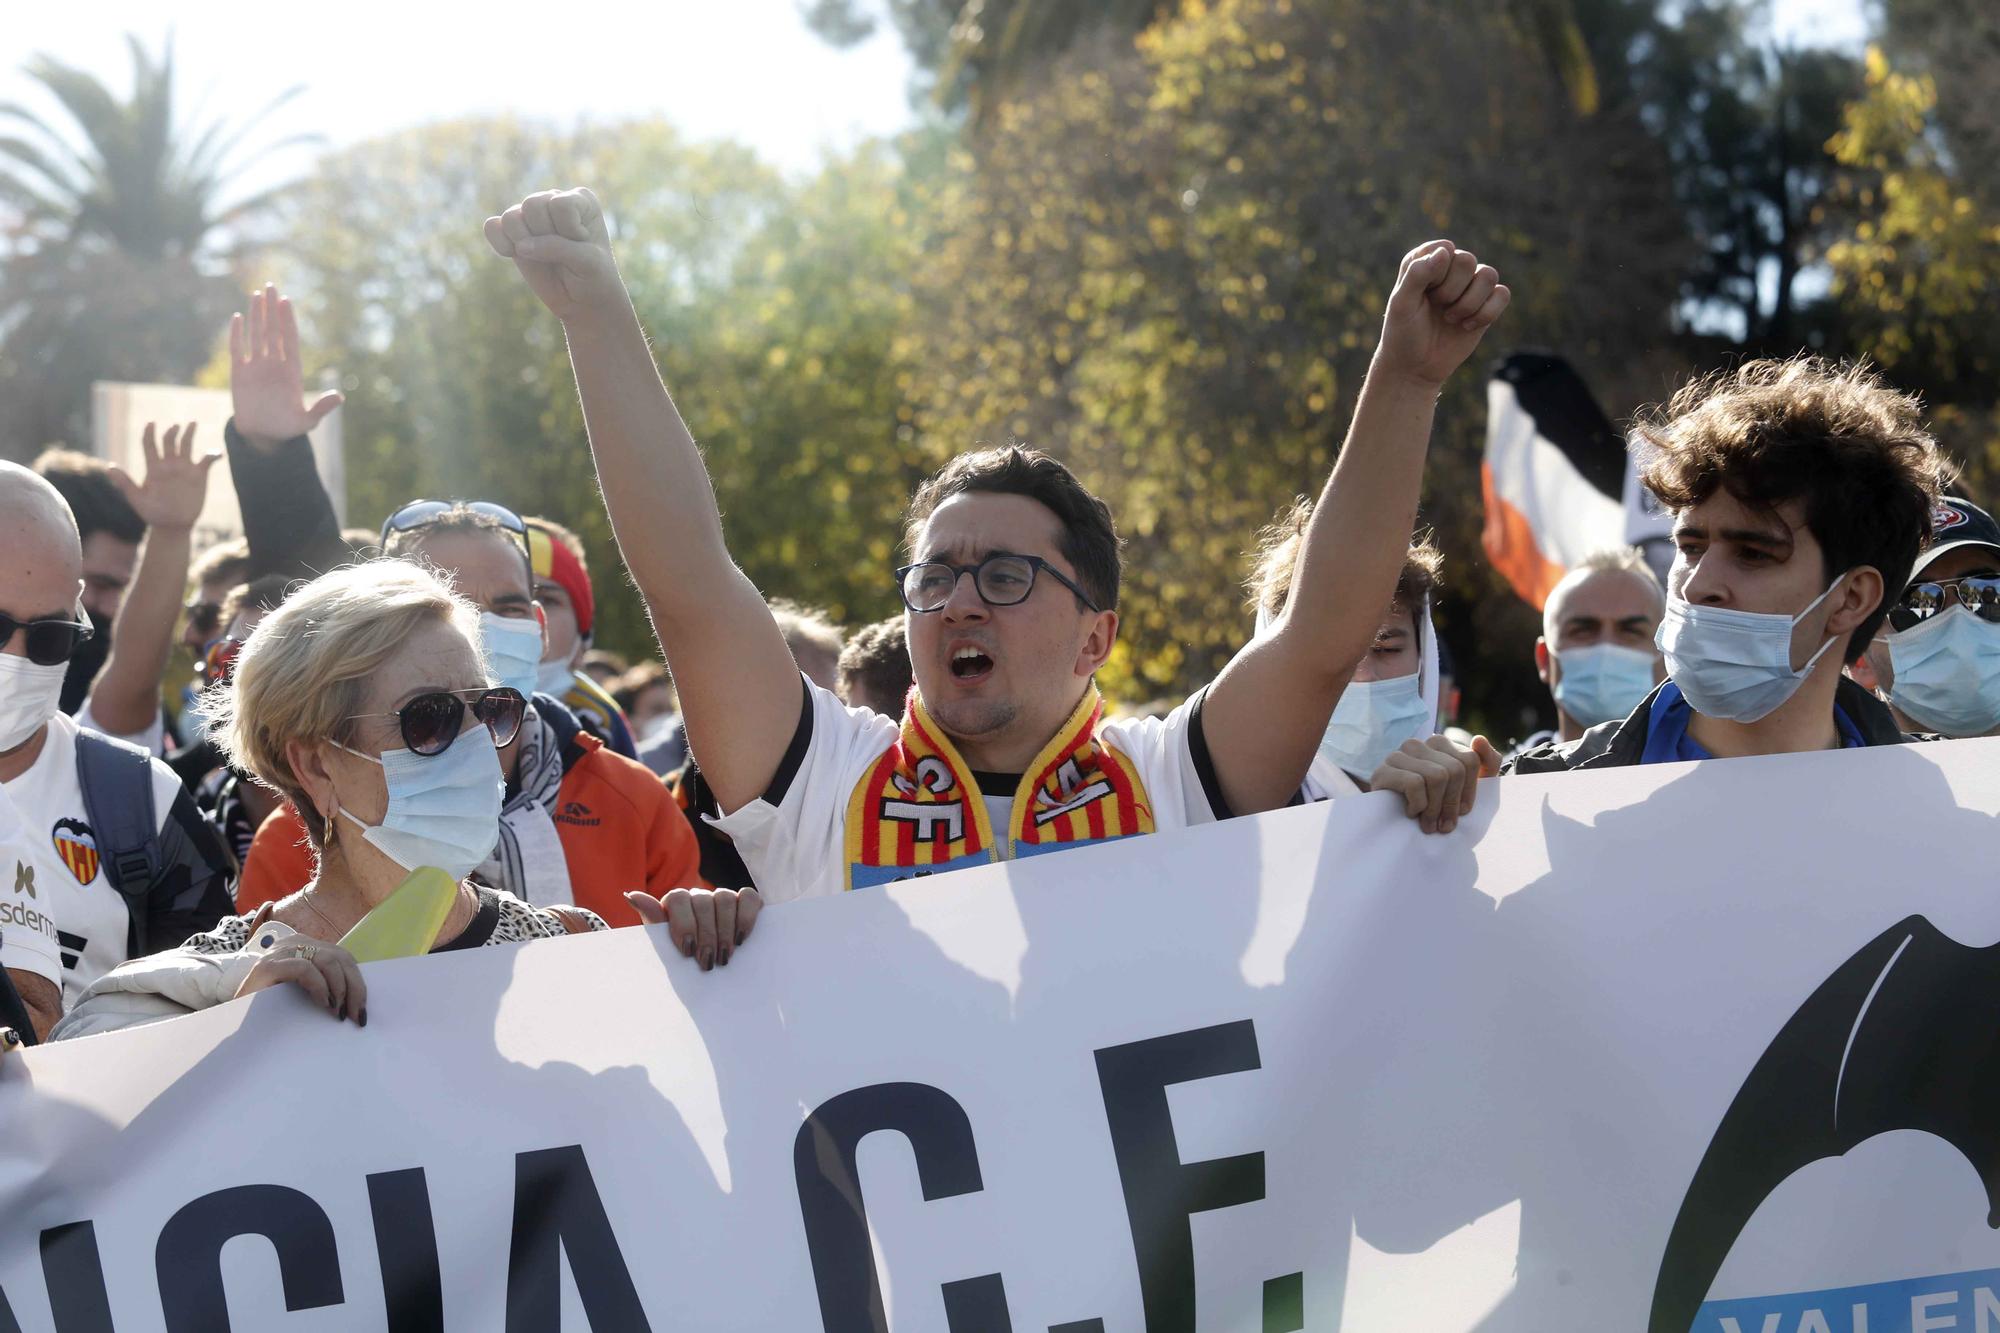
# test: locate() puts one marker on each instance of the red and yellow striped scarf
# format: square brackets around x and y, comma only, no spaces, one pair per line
[919,810]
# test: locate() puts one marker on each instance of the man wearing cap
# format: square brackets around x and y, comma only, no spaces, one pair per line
[562,586]
[1937,661]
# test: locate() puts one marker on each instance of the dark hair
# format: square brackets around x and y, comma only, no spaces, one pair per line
[225,562]
[1276,556]
[1089,538]
[626,690]
[85,485]
[1850,449]
[877,658]
[265,593]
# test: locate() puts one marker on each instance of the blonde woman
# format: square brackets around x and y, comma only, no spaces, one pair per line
[363,700]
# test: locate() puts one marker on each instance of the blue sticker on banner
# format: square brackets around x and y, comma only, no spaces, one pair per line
[1964,1301]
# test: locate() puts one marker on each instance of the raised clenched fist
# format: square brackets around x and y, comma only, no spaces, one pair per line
[1444,302]
[557,238]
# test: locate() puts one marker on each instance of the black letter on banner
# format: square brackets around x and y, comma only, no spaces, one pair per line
[188,1258]
[74,1276]
[406,1243]
[8,1323]
[557,1209]
[836,1218]
[1161,1192]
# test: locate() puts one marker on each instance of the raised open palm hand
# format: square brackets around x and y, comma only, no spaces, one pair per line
[266,385]
[176,481]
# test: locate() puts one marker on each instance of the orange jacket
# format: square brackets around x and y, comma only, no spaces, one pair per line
[619,825]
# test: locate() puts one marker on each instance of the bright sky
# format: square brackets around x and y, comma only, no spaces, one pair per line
[747,69]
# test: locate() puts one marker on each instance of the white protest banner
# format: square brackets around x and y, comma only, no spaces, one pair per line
[1625,1043]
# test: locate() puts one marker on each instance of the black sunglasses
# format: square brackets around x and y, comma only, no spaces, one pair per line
[422,513]
[1002,579]
[1977,593]
[49,641]
[431,722]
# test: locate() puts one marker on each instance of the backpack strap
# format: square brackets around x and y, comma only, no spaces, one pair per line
[117,783]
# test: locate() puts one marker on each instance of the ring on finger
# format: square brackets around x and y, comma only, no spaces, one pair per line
[306,952]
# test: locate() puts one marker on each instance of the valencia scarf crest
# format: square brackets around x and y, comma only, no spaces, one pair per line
[919,811]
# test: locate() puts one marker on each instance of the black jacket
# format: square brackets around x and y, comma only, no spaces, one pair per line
[1623,744]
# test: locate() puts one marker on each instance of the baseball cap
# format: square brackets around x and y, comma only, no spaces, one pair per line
[1955,524]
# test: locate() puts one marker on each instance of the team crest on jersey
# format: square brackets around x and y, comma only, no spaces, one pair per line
[77,847]
[1947,516]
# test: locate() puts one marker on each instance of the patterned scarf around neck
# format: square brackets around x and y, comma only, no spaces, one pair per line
[528,861]
[919,811]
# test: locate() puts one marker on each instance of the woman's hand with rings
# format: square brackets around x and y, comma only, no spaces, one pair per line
[324,971]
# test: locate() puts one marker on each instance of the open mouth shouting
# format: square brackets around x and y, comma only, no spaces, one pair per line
[970,663]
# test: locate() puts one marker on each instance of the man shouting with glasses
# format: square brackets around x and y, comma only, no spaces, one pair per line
[117,861]
[1937,661]
[1012,606]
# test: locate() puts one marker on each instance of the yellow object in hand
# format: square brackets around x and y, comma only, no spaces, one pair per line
[407,922]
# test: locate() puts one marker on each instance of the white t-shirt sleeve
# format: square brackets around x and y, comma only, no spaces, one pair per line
[1171,754]
[793,839]
[27,929]
[153,740]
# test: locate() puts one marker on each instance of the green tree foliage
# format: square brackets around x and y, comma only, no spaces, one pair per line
[1168,267]
[771,307]
[122,233]
[1919,268]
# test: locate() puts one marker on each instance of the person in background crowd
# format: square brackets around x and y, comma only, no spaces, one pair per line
[235,802]
[874,668]
[815,643]
[111,532]
[579,824]
[1937,663]
[1012,594]
[1596,653]
[1794,485]
[603,666]
[1393,697]
[124,699]
[365,701]
[215,573]
[99,892]
[569,608]
[646,693]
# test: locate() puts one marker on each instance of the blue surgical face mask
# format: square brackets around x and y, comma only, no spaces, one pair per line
[1603,682]
[1948,673]
[1735,666]
[1372,720]
[554,678]
[513,647]
[444,809]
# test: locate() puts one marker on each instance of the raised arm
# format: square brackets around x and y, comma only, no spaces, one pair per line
[739,689]
[125,697]
[1267,710]
[288,518]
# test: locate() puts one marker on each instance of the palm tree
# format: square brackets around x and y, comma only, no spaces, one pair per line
[119,240]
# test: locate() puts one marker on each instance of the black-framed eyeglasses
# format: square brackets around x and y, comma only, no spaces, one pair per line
[431,722]
[49,641]
[422,513]
[1002,579]
[1977,593]
[204,618]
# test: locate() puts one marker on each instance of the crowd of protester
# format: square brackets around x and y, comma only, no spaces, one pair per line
[427,693]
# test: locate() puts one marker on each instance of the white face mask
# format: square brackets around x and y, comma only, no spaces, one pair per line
[554,678]
[29,694]
[1372,720]
[1735,666]
[1948,673]
[444,809]
[513,650]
